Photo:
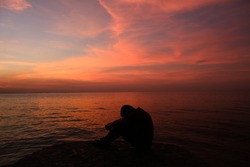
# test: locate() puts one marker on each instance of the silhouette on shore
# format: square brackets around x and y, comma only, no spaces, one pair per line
[135,126]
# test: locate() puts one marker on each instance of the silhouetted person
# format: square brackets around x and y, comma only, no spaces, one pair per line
[135,126]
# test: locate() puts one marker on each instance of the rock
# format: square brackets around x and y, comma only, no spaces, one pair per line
[120,154]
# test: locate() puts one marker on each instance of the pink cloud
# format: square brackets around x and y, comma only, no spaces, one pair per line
[78,19]
[15,5]
[172,5]
[126,12]
[137,22]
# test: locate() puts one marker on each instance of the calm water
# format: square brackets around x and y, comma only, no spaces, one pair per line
[214,126]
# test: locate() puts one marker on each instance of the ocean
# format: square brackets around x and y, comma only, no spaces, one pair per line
[214,126]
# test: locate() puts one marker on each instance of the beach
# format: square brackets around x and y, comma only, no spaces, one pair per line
[120,154]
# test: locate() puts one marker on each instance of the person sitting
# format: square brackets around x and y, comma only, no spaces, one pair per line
[135,126]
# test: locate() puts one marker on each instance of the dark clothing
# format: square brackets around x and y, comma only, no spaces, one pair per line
[136,128]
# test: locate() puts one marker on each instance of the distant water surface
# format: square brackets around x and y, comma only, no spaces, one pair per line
[213,125]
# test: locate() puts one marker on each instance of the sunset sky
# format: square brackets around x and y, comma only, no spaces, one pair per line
[124,45]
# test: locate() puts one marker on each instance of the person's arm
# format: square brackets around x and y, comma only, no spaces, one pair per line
[116,123]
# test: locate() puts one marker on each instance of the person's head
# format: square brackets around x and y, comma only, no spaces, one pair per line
[126,110]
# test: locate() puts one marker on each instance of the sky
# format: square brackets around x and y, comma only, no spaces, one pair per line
[124,45]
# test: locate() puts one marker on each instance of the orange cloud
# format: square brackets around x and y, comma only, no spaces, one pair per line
[15,5]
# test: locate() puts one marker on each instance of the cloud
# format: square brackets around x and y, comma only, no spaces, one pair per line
[15,5]
[161,33]
[182,32]
[78,19]
[166,48]
[147,31]
[140,44]
[173,5]
[126,12]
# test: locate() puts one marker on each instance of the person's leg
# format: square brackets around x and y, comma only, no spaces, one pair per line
[115,132]
[105,142]
[112,135]
[136,139]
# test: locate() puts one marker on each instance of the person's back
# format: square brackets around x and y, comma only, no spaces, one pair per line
[140,130]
